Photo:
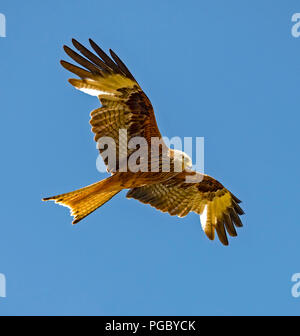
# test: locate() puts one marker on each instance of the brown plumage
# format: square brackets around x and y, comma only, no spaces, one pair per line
[126,107]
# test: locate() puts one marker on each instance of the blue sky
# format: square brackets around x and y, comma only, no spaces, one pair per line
[226,71]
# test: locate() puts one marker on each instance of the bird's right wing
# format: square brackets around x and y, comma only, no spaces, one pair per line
[124,104]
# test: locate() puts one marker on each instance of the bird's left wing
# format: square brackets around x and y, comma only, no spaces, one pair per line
[125,106]
[218,208]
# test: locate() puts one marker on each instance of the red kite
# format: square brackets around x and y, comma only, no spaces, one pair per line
[125,106]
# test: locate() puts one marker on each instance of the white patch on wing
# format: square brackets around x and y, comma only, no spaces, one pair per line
[93,92]
[203,217]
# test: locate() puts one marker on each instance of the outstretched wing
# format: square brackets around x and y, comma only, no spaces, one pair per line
[218,207]
[124,104]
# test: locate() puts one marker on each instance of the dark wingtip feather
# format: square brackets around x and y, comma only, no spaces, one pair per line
[222,233]
[48,198]
[237,208]
[235,218]
[82,61]
[107,60]
[92,57]
[76,44]
[76,70]
[120,64]
[229,225]
[66,48]
[235,198]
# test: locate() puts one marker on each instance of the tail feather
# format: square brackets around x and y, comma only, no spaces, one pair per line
[84,201]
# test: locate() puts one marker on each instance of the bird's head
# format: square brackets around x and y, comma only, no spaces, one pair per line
[182,158]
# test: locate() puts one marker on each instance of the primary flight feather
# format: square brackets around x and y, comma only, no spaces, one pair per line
[125,106]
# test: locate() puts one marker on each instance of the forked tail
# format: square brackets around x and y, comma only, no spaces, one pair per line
[84,201]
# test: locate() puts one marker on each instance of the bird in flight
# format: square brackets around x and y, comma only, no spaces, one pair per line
[125,106]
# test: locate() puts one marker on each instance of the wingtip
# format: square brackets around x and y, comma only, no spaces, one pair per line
[235,198]
[75,43]
[67,49]
[75,221]
[112,53]
[210,234]
[92,43]
[72,81]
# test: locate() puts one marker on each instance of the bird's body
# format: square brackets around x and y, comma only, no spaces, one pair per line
[162,178]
